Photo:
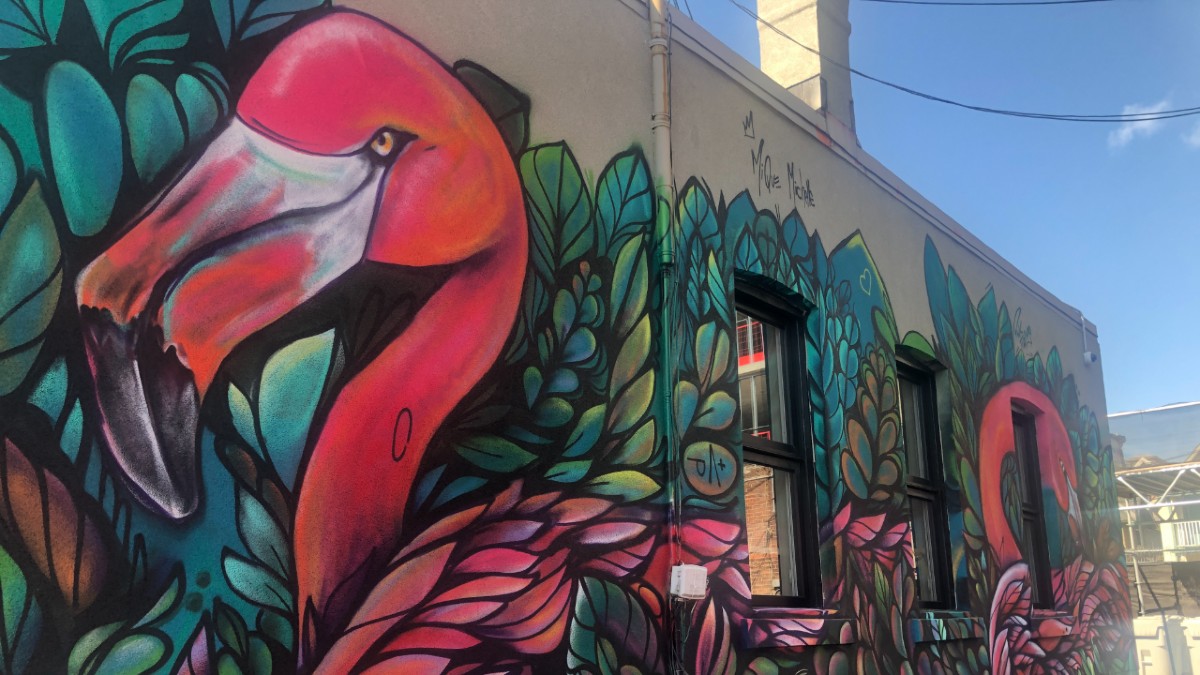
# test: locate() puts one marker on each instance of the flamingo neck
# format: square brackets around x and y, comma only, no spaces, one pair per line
[352,502]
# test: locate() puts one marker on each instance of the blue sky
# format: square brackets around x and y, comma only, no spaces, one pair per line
[1107,217]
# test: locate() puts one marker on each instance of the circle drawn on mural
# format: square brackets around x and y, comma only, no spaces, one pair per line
[401,434]
[710,468]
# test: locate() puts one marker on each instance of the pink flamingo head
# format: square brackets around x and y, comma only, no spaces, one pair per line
[1055,459]
[350,144]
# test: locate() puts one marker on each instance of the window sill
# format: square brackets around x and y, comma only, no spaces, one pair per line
[1052,623]
[782,628]
[945,626]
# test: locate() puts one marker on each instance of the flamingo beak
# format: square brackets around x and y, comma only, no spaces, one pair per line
[245,235]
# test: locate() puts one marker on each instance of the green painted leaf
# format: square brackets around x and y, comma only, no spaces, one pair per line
[85,652]
[256,584]
[639,447]
[155,133]
[628,485]
[30,282]
[917,342]
[22,616]
[84,136]
[632,357]
[167,603]
[624,201]
[559,206]
[291,386]
[259,657]
[232,630]
[264,538]
[122,25]
[630,287]
[494,453]
[137,653]
[553,413]
[508,107]
[632,404]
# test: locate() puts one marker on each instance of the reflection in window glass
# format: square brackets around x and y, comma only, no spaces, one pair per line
[759,379]
[922,521]
[912,410]
[768,503]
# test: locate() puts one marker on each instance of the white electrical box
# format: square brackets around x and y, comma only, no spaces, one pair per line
[689,582]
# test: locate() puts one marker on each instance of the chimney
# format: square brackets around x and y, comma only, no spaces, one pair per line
[823,25]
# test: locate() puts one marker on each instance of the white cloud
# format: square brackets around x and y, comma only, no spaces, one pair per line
[1192,138]
[1124,134]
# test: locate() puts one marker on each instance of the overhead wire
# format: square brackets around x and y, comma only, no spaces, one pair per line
[1147,116]
[986,3]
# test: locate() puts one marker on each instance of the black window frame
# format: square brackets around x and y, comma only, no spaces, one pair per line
[796,455]
[1033,510]
[931,489]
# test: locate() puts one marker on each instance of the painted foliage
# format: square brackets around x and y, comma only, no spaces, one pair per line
[309,361]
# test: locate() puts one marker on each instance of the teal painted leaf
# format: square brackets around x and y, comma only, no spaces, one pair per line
[155,132]
[264,538]
[712,354]
[50,392]
[256,584]
[201,109]
[459,487]
[28,23]
[624,201]
[276,628]
[72,435]
[9,174]
[84,136]
[611,631]
[123,26]
[30,282]
[569,472]
[560,207]
[241,19]
[583,437]
[508,107]
[291,386]
[16,117]
[494,453]
[627,485]
[22,616]
[717,411]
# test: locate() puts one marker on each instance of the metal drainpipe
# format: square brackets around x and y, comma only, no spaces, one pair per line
[664,236]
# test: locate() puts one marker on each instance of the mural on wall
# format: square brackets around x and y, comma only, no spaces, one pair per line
[310,362]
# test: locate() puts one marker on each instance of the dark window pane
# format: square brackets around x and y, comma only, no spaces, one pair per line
[769,503]
[760,379]
[1025,444]
[912,416]
[923,524]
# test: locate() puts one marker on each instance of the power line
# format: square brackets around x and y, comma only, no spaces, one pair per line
[1063,117]
[986,3]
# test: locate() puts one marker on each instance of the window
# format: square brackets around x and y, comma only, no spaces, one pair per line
[777,470]
[926,487]
[1033,522]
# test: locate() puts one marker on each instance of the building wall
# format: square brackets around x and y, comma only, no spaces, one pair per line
[333,340]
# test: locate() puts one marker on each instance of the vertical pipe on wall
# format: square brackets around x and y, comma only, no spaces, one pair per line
[664,236]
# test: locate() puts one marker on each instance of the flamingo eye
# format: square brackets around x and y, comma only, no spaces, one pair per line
[388,143]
